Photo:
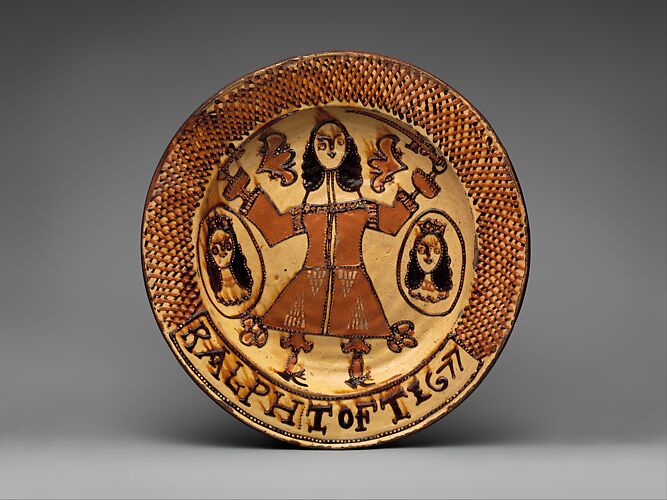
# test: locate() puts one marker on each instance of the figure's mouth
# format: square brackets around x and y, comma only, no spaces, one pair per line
[331,154]
[428,260]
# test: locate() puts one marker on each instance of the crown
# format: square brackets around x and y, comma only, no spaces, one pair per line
[218,221]
[431,226]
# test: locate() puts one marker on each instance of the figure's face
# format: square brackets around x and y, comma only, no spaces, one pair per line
[330,145]
[429,251]
[221,247]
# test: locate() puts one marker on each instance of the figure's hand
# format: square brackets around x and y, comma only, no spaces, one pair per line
[408,200]
[425,184]
[236,185]
[253,332]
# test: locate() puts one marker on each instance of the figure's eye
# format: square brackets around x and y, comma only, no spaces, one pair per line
[321,146]
[215,250]
[341,142]
[228,245]
[436,250]
[421,249]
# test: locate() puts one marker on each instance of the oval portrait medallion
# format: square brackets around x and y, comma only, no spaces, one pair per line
[427,276]
[335,248]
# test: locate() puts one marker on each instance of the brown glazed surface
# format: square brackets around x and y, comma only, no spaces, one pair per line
[336,248]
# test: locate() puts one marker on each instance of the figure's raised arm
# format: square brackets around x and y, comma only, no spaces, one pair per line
[257,206]
[390,219]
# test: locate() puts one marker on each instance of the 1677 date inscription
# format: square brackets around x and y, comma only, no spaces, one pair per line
[380,411]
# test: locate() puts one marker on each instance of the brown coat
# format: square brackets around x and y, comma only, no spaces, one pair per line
[332,294]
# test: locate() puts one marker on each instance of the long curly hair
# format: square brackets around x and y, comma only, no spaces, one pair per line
[348,173]
[238,265]
[442,273]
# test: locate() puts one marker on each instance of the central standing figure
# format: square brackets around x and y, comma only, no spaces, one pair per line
[332,294]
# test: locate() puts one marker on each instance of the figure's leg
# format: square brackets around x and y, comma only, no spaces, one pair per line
[358,347]
[295,342]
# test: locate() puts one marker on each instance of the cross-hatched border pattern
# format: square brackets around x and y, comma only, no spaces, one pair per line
[383,84]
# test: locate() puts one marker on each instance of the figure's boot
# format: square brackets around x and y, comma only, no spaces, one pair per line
[296,342]
[358,348]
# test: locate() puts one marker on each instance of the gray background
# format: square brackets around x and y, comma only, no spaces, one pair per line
[92,403]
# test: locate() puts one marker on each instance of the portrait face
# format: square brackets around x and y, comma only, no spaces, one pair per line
[330,145]
[221,247]
[429,251]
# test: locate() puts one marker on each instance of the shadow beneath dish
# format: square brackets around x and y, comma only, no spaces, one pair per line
[225,432]
[448,433]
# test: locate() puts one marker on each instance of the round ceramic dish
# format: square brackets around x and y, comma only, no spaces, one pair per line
[335,248]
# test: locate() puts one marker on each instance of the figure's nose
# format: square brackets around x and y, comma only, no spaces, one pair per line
[331,154]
